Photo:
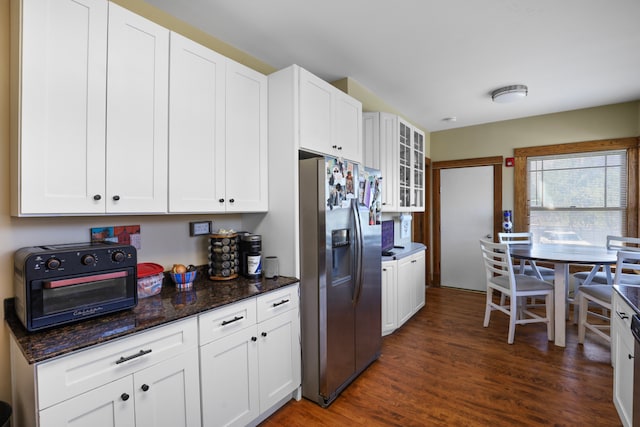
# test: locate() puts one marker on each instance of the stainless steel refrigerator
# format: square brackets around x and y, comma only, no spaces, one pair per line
[340,274]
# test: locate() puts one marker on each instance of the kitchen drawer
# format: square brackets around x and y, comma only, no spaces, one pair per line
[221,322]
[84,370]
[273,303]
[622,311]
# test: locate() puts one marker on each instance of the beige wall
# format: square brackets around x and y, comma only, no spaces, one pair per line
[500,138]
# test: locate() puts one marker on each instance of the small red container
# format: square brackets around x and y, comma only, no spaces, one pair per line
[150,278]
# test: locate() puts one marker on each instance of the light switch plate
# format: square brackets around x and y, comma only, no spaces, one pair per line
[199,228]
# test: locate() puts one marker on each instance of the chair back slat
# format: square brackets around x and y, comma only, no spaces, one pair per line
[497,261]
[619,243]
[515,238]
[627,260]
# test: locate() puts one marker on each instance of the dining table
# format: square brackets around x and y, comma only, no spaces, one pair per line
[561,256]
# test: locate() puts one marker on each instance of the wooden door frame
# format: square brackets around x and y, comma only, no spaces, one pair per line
[496,162]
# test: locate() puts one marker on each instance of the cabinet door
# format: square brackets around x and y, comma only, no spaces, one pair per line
[348,126]
[622,353]
[196,128]
[623,377]
[316,113]
[111,405]
[168,393]
[417,159]
[279,357]
[371,155]
[389,297]
[419,275]
[229,379]
[389,162]
[406,290]
[246,140]
[137,113]
[404,163]
[62,106]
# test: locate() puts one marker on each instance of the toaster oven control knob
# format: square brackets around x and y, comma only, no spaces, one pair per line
[88,259]
[52,263]
[117,256]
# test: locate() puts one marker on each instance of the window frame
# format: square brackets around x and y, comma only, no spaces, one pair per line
[521,177]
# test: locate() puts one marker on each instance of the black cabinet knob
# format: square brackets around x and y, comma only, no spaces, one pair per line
[221,200]
[116,197]
[254,339]
[145,387]
[232,200]
[97,197]
[264,334]
[124,396]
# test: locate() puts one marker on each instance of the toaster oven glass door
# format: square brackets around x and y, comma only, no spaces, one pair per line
[65,299]
[69,294]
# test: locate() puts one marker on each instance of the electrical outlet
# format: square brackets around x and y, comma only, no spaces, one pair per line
[199,228]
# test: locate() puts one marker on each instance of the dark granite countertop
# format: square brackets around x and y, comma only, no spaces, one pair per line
[631,294]
[169,305]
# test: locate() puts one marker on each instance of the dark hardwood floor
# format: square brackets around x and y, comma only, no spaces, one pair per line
[442,368]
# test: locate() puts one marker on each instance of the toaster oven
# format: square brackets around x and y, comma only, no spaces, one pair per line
[58,284]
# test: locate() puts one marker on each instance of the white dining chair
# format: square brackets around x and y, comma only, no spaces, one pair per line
[501,278]
[599,296]
[601,274]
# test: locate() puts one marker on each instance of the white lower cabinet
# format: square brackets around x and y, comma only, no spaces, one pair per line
[164,394]
[239,363]
[250,358]
[389,296]
[622,352]
[147,379]
[103,406]
[403,290]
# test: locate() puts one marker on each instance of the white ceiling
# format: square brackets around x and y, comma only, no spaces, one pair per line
[433,59]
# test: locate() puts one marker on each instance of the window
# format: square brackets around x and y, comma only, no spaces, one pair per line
[578,198]
[577,193]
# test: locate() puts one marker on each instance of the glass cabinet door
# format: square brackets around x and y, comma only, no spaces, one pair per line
[405,165]
[418,170]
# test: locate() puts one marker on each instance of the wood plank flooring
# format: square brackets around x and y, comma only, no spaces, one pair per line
[442,368]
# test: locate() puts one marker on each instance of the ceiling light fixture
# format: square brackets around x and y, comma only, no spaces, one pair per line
[509,94]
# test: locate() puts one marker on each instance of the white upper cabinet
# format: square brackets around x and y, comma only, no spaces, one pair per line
[196,127]
[116,115]
[380,142]
[217,132]
[246,140]
[91,98]
[137,113]
[396,148]
[59,95]
[330,120]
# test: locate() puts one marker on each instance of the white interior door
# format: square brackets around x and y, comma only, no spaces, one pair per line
[466,213]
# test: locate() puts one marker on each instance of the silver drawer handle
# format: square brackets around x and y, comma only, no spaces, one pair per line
[133,356]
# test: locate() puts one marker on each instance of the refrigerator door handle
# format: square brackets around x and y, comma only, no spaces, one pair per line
[359,245]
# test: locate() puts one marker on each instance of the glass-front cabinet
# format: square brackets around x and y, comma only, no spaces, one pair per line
[411,164]
[396,148]
[417,201]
